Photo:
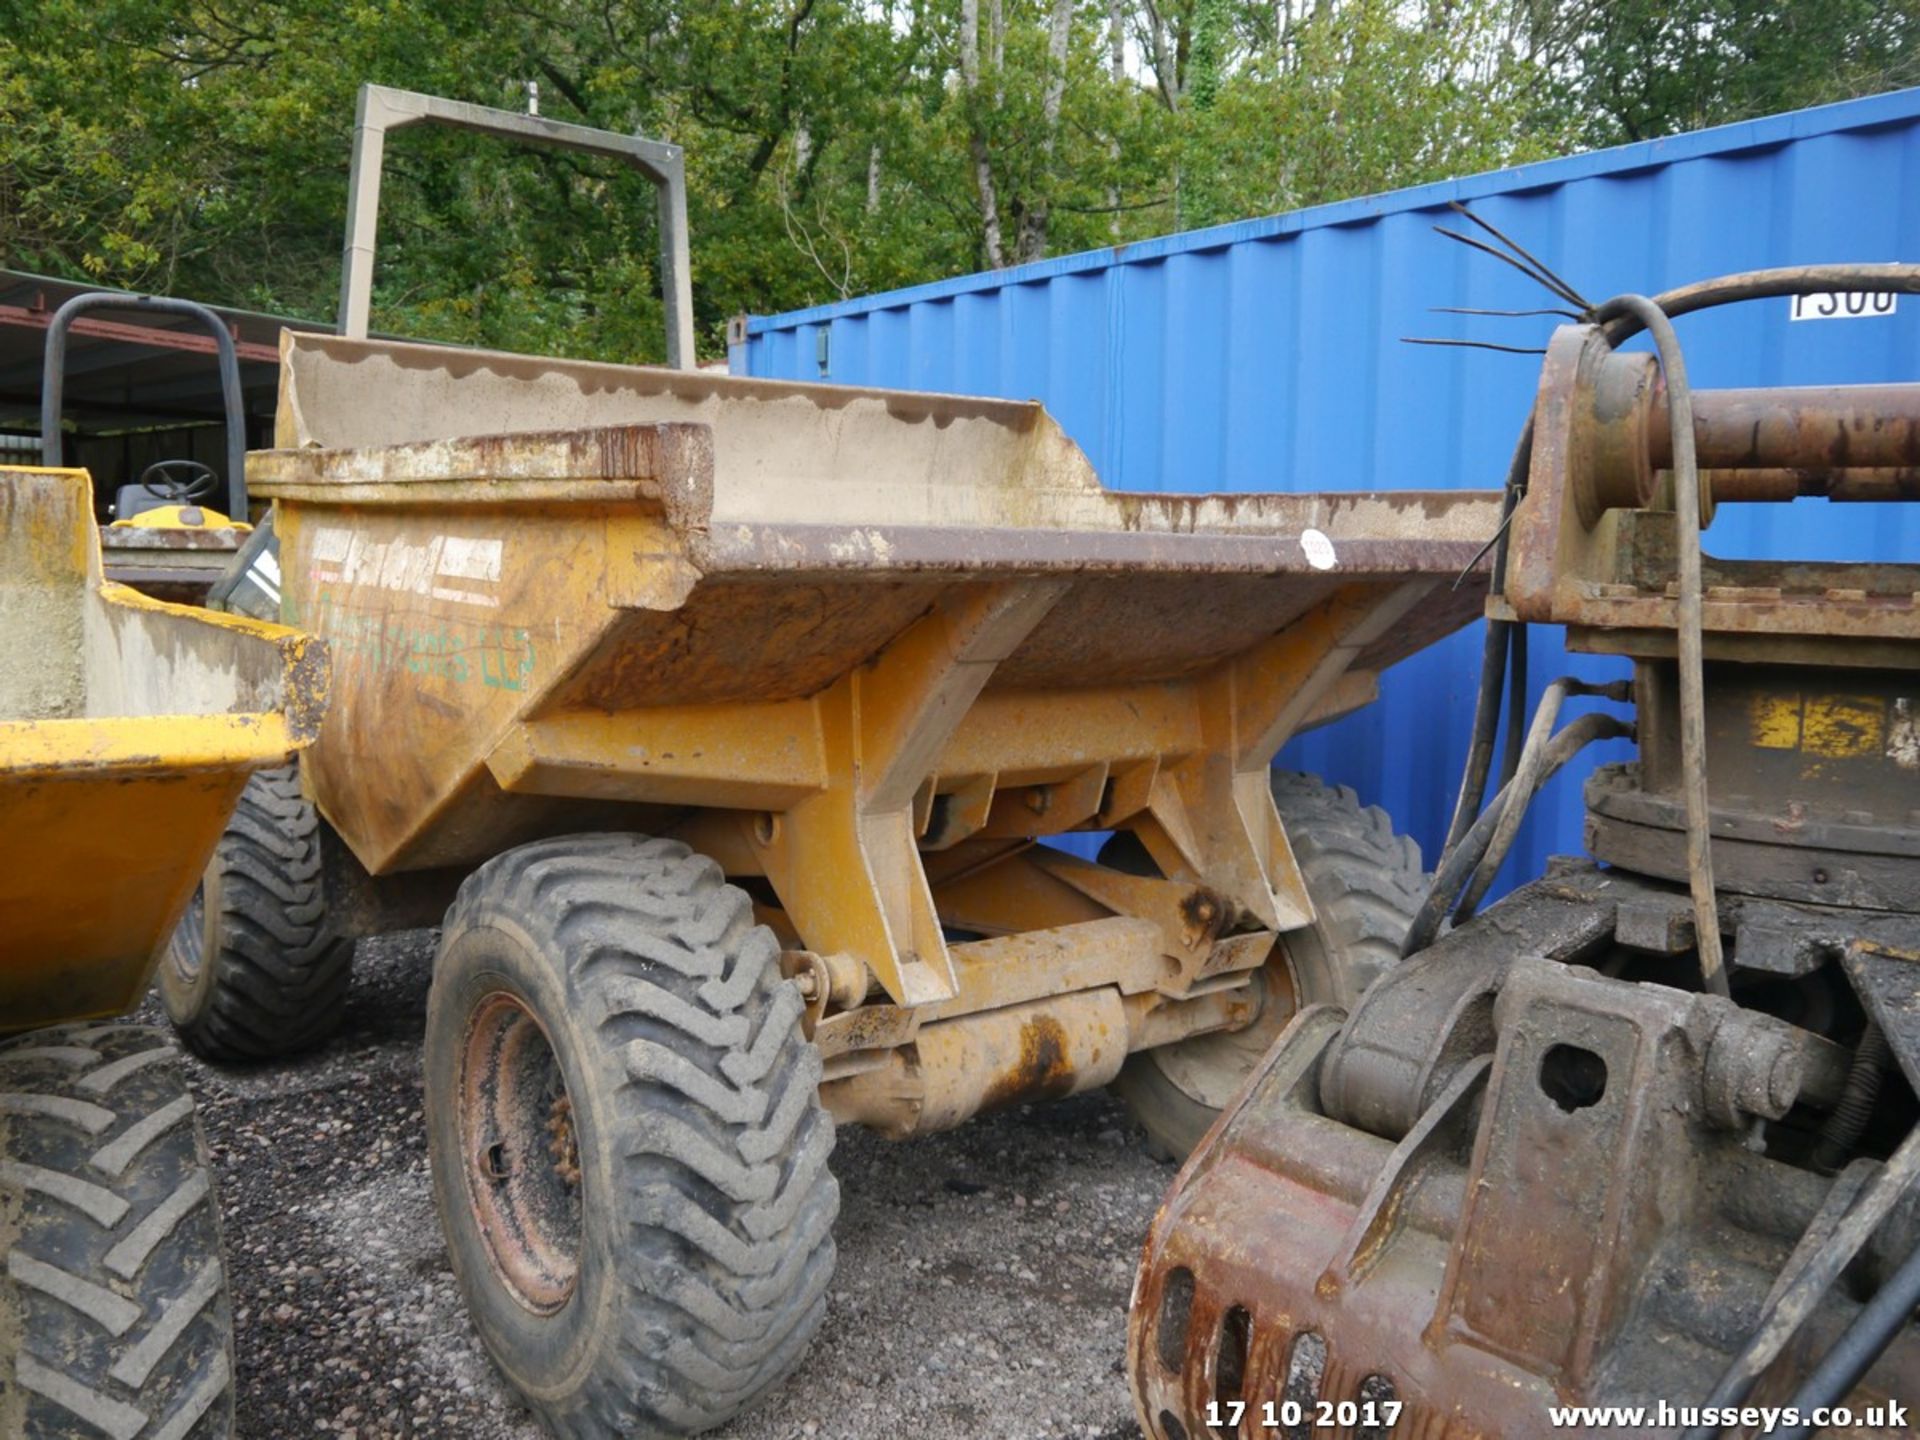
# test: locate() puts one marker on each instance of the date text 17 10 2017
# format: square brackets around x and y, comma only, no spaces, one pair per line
[500,657]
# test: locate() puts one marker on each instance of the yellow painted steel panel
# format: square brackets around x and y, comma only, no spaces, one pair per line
[128,728]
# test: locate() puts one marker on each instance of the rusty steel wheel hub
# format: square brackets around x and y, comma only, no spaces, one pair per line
[522,1153]
[1209,1069]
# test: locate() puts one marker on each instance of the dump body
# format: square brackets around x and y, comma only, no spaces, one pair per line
[865,647]
[127,729]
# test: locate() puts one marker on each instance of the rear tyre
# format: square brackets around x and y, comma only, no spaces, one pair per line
[257,968]
[114,1316]
[629,1155]
[1365,882]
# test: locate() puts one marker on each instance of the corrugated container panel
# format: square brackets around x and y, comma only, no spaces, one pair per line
[1267,355]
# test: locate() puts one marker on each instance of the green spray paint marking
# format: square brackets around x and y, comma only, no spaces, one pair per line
[499,657]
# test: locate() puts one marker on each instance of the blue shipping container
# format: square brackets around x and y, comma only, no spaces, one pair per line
[1267,355]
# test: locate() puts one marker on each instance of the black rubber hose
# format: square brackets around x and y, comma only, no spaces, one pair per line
[1539,732]
[1516,701]
[1812,1277]
[1849,1119]
[1760,285]
[1459,862]
[1496,847]
[1493,658]
[1689,644]
[1853,1354]
[1486,721]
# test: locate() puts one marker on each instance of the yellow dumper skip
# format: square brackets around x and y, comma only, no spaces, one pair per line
[127,729]
[864,645]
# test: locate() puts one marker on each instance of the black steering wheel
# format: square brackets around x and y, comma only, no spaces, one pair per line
[179,482]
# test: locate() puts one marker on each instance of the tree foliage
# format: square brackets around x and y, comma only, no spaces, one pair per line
[835,146]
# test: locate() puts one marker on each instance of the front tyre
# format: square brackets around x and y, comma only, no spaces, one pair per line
[629,1155]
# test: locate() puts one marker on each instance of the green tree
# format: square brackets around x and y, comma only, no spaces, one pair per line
[1638,69]
[835,146]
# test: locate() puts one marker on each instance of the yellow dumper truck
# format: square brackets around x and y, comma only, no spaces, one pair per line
[730,718]
[127,729]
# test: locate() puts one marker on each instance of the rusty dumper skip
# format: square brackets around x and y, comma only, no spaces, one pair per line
[728,716]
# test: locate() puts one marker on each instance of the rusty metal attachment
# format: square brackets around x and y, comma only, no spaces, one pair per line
[1565,1155]
[1593,544]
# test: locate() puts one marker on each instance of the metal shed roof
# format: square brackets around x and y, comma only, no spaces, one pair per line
[130,372]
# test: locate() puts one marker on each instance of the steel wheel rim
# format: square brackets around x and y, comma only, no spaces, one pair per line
[520,1153]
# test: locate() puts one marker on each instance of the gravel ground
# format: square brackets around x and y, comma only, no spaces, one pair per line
[982,1287]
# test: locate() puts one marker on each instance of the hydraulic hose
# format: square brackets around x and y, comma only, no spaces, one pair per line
[1761,285]
[1486,722]
[1528,771]
[1693,685]
[1516,701]
[1493,658]
[1849,1118]
[1459,862]
[1865,1341]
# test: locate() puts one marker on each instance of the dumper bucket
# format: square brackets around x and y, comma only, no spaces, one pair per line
[829,629]
[127,729]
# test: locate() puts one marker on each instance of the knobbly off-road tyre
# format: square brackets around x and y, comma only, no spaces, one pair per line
[114,1314]
[1366,883]
[629,1155]
[257,969]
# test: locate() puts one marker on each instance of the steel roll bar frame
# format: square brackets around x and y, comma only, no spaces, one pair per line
[53,377]
[382,108]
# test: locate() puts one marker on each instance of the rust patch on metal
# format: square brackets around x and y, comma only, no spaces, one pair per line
[870,1027]
[1206,914]
[517,1135]
[1043,1071]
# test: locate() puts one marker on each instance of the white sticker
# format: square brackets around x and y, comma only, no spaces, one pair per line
[1843,305]
[469,559]
[1319,549]
[340,555]
[330,544]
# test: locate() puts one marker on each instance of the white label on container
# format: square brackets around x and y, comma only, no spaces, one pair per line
[348,557]
[1843,305]
[1319,549]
